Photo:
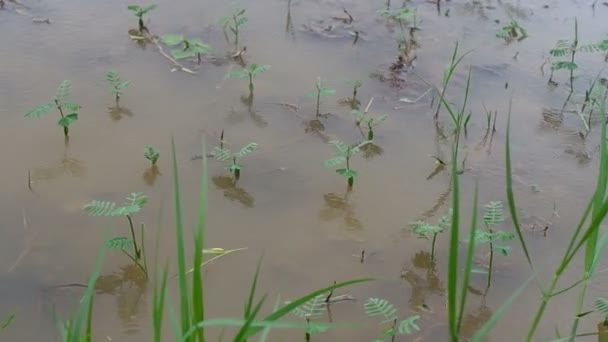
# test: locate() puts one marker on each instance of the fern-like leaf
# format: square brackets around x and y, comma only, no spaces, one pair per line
[408,325]
[120,242]
[376,121]
[99,208]
[380,307]
[340,147]
[137,199]
[247,149]
[563,65]
[112,76]
[333,162]
[172,39]
[424,230]
[39,111]
[314,307]
[562,48]
[221,154]
[494,213]
[63,91]
[601,305]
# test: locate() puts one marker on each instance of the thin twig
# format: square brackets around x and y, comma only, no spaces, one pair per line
[28,244]
[369,104]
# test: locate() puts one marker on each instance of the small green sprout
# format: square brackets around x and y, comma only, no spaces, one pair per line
[117,86]
[512,31]
[428,231]
[189,47]
[234,23]
[493,216]
[356,85]
[370,122]
[601,305]
[133,204]
[140,12]
[383,308]
[343,154]
[63,107]
[226,155]
[320,90]
[151,154]
[250,73]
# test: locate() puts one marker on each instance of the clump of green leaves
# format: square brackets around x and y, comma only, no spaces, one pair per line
[189,47]
[132,247]
[496,239]
[151,154]
[512,31]
[383,308]
[369,122]
[250,73]
[117,86]
[233,23]
[320,90]
[67,110]
[140,12]
[424,230]
[226,155]
[343,154]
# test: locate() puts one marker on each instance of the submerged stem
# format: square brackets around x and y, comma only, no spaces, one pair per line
[137,251]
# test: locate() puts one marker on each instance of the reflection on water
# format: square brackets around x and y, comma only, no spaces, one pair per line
[425,284]
[128,286]
[371,150]
[65,166]
[119,112]
[232,191]
[340,207]
[151,174]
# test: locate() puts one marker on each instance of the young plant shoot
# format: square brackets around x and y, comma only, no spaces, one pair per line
[188,47]
[370,122]
[250,73]
[151,154]
[226,155]
[139,13]
[513,31]
[133,204]
[356,85]
[492,217]
[428,231]
[234,23]
[67,110]
[343,154]
[386,310]
[320,90]
[117,86]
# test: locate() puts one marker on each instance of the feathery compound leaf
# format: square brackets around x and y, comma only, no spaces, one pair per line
[151,154]
[408,325]
[601,305]
[72,107]
[562,48]
[340,147]
[137,199]
[120,242]
[221,154]
[380,307]
[247,149]
[425,230]
[313,307]
[39,111]
[359,115]
[238,74]
[494,213]
[348,173]
[563,65]
[99,208]
[333,162]
[63,91]
[172,39]
[67,120]
[112,76]
[376,121]
[258,69]
[326,91]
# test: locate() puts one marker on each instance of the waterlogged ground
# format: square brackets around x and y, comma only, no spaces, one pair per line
[288,207]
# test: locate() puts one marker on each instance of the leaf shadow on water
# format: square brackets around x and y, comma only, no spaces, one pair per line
[118,113]
[424,285]
[371,150]
[149,176]
[128,286]
[339,207]
[232,191]
[65,166]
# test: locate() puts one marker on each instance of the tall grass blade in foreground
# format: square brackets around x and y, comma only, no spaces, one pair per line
[453,252]
[469,260]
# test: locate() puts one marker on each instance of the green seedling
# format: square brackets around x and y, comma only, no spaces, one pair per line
[343,154]
[133,204]
[492,217]
[356,85]
[601,305]
[383,308]
[117,86]
[565,47]
[226,155]
[428,231]
[250,73]
[139,13]
[512,31]
[63,107]
[370,122]
[190,47]
[151,154]
[234,23]
[320,90]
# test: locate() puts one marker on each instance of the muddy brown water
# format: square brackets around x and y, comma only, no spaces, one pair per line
[288,206]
